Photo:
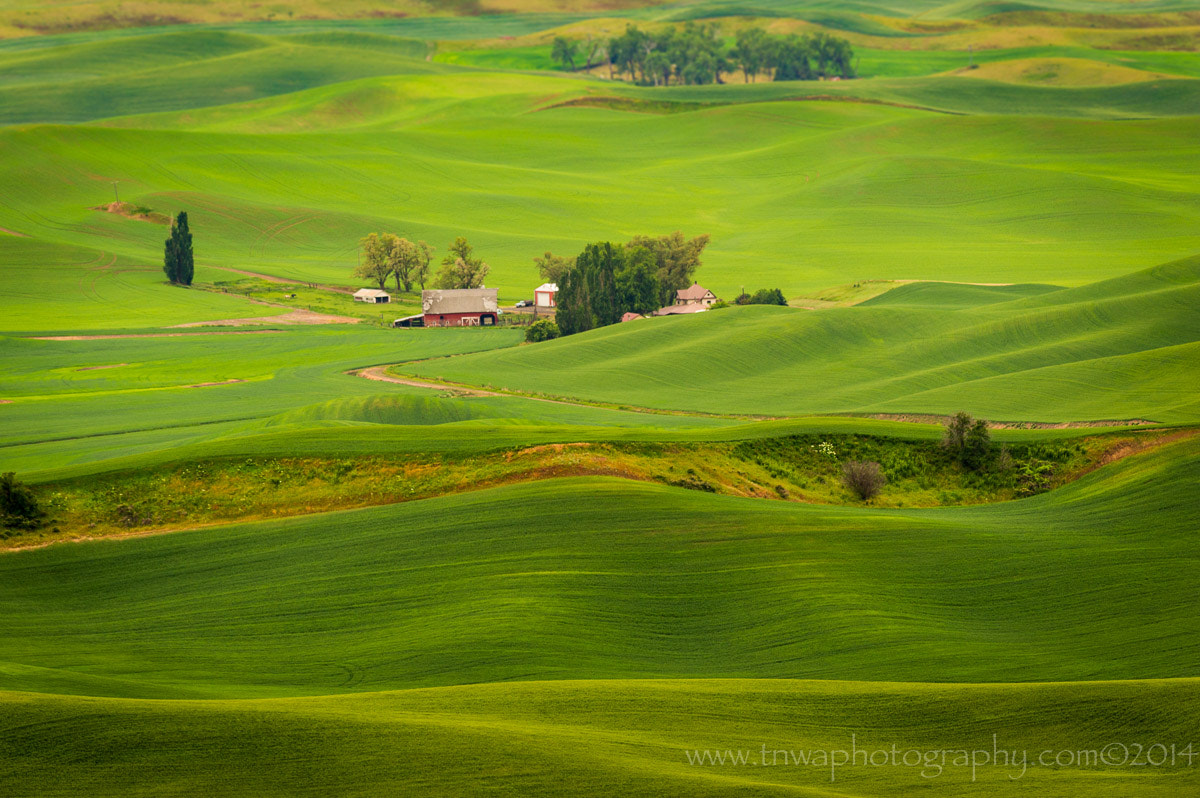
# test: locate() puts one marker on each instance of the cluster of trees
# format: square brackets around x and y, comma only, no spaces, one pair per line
[178,262]
[608,280]
[763,296]
[696,55]
[390,256]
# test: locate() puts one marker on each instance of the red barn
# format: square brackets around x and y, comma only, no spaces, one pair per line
[460,307]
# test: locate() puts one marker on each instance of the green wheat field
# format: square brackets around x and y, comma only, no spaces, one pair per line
[285,549]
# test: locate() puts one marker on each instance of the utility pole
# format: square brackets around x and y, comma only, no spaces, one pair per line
[115,192]
[970,56]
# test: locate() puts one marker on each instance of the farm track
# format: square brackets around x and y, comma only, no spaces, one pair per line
[146,335]
[379,374]
[339,289]
[295,317]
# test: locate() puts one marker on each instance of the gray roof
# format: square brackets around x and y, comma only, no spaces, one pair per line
[460,300]
[370,292]
[676,310]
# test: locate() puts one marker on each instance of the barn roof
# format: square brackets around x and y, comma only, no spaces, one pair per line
[371,292]
[630,316]
[459,300]
[695,291]
[675,310]
[546,288]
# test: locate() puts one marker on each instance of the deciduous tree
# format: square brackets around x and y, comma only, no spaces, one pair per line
[968,440]
[676,259]
[409,262]
[751,52]
[376,262]
[551,267]
[460,268]
[564,51]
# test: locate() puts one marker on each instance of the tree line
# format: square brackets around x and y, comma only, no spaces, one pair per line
[696,55]
[387,255]
[608,280]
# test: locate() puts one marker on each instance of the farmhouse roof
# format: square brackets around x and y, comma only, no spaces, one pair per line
[370,292]
[459,300]
[631,316]
[695,291]
[675,310]
[545,288]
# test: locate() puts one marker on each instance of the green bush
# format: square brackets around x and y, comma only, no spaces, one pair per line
[18,506]
[969,440]
[768,296]
[544,330]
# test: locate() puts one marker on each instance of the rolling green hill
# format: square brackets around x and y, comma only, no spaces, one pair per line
[612,583]
[1003,358]
[594,578]
[578,738]
[802,195]
[534,628]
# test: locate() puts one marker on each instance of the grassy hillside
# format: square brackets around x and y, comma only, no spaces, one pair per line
[67,392]
[803,195]
[525,599]
[572,738]
[1003,359]
[606,579]
[613,583]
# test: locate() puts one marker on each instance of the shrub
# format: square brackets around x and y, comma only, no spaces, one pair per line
[1004,463]
[544,330]
[968,440]
[18,506]
[768,296]
[863,477]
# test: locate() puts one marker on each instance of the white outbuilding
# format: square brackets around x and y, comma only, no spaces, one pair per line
[543,295]
[372,295]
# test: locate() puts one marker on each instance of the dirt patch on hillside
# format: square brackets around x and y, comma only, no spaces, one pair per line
[137,212]
[379,374]
[268,278]
[147,335]
[556,448]
[925,418]
[212,384]
[12,232]
[295,317]
[97,368]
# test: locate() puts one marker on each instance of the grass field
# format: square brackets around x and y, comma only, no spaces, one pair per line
[664,585]
[921,348]
[618,562]
[803,195]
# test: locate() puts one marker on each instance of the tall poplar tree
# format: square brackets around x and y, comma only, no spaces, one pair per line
[178,262]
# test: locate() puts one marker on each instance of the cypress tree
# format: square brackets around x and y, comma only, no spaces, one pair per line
[171,258]
[183,238]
